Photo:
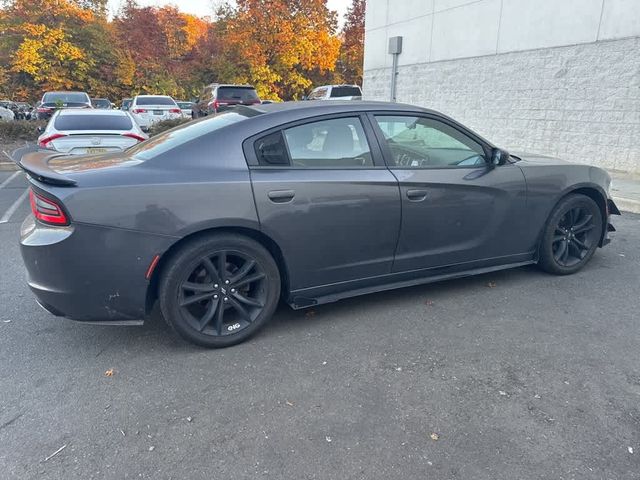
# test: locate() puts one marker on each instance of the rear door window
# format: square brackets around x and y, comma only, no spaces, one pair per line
[93,122]
[156,101]
[237,94]
[346,92]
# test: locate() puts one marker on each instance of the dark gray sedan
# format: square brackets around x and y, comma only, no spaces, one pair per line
[309,202]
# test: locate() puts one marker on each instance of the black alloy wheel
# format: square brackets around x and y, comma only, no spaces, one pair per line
[574,236]
[571,235]
[219,290]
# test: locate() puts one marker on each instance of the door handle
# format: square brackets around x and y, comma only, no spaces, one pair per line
[281,196]
[416,195]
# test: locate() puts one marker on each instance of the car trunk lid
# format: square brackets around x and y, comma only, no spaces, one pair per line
[78,143]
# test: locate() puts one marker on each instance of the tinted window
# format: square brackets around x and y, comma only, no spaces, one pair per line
[339,142]
[271,150]
[65,97]
[237,94]
[155,101]
[93,122]
[177,136]
[126,103]
[185,105]
[417,142]
[101,103]
[346,92]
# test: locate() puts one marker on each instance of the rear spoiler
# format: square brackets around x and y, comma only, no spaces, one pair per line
[36,165]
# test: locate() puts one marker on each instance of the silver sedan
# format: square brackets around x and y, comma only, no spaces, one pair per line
[79,132]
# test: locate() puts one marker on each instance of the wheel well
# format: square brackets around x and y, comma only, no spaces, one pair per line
[264,240]
[594,195]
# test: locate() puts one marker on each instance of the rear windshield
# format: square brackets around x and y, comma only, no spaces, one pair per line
[238,94]
[93,122]
[65,97]
[101,102]
[346,92]
[185,104]
[180,135]
[155,101]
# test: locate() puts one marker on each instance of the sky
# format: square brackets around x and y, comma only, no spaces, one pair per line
[206,7]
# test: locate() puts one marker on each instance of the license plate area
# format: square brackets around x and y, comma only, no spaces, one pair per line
[97,150]
[158,112]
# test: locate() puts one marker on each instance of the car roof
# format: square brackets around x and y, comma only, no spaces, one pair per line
[339,85]
[336,106]
[148,95]
[66,91]
[91,111]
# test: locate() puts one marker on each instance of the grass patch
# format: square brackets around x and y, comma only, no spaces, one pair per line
[165,125]
[20,130]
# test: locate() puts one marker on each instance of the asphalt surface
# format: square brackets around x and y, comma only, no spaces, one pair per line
[521,375]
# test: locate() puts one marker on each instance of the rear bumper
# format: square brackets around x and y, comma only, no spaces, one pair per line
[88,273]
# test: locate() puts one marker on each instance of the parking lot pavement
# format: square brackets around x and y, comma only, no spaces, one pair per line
[511,375]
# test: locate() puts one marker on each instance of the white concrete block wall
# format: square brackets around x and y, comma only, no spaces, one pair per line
[568,86]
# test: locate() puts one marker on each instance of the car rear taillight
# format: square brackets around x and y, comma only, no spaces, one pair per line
[47,210]
[216,104]
[44,110]
[44,143]
[175,110]
[139,110]
[135,136]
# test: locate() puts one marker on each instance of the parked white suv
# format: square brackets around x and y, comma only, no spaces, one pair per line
[336,92]
[149,109]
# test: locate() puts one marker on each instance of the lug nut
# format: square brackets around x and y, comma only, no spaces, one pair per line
[215,286]
[215,296]
[226,299]
[226,282]
[233,290]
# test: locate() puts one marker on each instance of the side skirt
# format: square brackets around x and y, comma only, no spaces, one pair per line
[298,301]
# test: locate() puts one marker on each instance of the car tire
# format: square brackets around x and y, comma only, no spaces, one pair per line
[215,272]
[571,235]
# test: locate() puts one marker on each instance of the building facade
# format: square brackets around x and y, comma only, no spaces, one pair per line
[559,77]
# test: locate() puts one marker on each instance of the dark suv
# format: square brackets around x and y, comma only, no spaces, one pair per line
[218,98]
[52,101]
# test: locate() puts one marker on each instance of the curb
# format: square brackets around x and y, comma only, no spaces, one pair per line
[627,204]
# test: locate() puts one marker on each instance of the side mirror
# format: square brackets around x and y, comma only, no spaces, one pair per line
[499,157]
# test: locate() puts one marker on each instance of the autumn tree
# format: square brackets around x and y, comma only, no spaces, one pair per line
[276,44]
[352,49]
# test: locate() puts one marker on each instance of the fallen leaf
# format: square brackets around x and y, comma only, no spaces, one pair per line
[491,284]
[502,392]
[435,437]
[328,439]
[310,313]
[109,373]
[630,449]
[289,403]
[189,419]
[152,448]
[428,303]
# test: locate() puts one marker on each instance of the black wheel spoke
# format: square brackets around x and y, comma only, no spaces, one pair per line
[565,253]
[240,309]
[580,244]
[222,265]
[558,238]
[219,318]
[211,269]
[197,287]
[195,298]
[583,223]
[248,301]
[246,268]
[250,279]
[584,228]
[208,316]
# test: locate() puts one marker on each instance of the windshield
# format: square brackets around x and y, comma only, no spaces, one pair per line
[65,97]
[93,122]
[101,103]
[346,92]
[180,135]
[237,94]
[155,101]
